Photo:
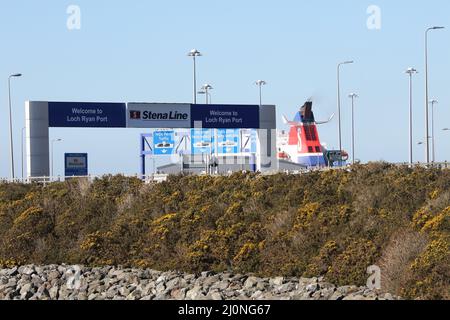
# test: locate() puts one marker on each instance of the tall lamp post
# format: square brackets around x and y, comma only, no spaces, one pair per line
[23,131]
[433,102]
[339,102]
[205,90]
[411,72]
[353,96]
[260,83]
[194,53]
[53,141]
[427,142]
[11,146]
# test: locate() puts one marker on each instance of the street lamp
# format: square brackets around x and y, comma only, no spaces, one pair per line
[194,53]
[11,146]
[427,151]
[205,90]
[260,83]
[23,131]
[339,102]
[433,140]
[53,141]
[353,96]
[411,72]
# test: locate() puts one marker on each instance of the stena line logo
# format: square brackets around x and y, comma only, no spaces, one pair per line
[150,116]
[135,115]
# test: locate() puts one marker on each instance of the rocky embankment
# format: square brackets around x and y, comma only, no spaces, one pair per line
[82,283]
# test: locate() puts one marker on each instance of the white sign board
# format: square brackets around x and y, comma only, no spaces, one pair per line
[158,115]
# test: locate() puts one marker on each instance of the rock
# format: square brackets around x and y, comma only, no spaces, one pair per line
[225,276]
[257,295]
[388,296]
[355,297]
[278,281]
[62,269]
[161,287]
[36,280]
[312,287]
[222,285]
[92,296]
[347,289]
[54,274]
[337,295]
[136,295]
[207,274]
[172,284]
[216,296]
[12,272]
[285,287]
[82,296]
[124,291]
[147,289]
[178,294]
[160,296]
[27,270]
[194,293]
[111,293]
[12,283]
[238,278]
[189,277]
[211,280]
[160,279]
[54,293]
[26,291]
[108,283]
[326,285]
[250,282]
[261,285]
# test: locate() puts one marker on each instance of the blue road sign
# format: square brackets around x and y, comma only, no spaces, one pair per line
[163,142]
[228,141]
[202,141]
[75,164]
[87,115]
[225,116]
[248,140]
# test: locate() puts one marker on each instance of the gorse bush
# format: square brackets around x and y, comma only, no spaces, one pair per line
[333,224]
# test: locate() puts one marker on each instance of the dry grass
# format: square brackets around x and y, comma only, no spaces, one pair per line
[400,252]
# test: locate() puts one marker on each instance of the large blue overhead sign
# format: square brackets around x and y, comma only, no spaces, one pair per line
[225,116]
[86,115]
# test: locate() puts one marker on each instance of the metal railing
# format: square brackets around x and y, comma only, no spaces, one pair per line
[47,179]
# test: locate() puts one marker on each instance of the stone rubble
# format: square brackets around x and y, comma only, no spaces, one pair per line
[63,282]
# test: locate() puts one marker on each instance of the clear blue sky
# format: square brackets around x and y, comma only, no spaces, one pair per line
[136,51]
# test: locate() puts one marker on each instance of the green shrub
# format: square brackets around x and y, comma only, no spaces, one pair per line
[333,223]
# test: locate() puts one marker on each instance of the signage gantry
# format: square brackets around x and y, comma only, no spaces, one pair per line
[42,115]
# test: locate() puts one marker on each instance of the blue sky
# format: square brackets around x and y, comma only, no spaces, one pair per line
[136,51]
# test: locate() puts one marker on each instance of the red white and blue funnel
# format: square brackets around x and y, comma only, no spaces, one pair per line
[303,145]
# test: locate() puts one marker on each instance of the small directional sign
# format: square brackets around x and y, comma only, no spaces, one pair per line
[163,142]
